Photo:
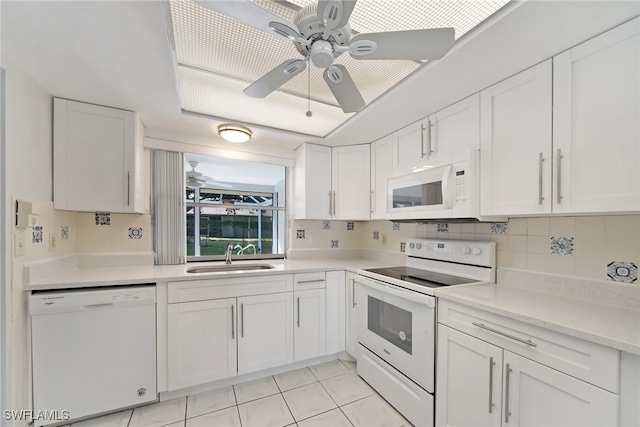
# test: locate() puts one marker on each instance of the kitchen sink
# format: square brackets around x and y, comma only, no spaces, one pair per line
[229,268]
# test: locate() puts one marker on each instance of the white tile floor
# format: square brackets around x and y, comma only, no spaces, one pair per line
[327,395]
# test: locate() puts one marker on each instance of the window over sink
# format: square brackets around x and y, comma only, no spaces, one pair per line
[237,202]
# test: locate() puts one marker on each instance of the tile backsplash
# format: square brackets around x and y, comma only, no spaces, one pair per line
[597,247]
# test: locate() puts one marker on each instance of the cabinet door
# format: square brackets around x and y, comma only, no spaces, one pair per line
[312,182]
[535,395]
[336,311]
[351,175]
[309,334]
[515,144]
[596,123]
[82,134]
[454,129]
[409,150]
[381,169]
[352,315]
[265,331]
[468,380]
[201,341]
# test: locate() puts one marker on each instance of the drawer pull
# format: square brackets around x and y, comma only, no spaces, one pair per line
[304,282]
[495,331]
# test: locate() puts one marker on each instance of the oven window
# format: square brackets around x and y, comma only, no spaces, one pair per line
[429,194]
[391,323]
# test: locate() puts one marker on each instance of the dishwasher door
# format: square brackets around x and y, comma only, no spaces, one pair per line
[93,351]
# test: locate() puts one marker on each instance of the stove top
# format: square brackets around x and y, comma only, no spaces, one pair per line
[420,277]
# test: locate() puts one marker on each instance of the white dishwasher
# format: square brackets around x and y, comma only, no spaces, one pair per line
[93,350]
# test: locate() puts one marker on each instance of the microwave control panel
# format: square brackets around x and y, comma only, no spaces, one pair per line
[460,187]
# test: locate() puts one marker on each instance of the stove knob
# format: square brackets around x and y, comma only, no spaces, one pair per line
[477,251]
[412,245]
[466,250]
[418,245]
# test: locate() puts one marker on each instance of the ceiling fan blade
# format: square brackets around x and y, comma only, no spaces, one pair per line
[335,13]
[275,78]
[250,14]
[432,43]
[343,88]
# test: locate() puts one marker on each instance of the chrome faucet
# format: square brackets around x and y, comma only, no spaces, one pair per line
[227,256]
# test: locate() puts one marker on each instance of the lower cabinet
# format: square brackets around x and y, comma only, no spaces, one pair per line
[352,315]
[215,339]
[481,383]
[310,324]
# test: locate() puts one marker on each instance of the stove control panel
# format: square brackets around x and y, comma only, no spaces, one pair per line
[464,251]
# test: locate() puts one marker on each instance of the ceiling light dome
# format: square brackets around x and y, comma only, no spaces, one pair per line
[234,133]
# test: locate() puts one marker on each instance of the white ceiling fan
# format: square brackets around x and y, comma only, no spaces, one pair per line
[196,179]
[321,32]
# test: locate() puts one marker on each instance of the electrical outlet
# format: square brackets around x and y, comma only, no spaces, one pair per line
[312,238]
[52,242]
[18,244]
[384,240]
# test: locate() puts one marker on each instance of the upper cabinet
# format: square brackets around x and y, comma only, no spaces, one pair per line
[97,156]
[381,169]
[332,183]
[596,124]
[566,140]
[515,144]
[408,148]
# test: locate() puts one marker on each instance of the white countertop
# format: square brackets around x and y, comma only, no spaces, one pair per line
[610,325]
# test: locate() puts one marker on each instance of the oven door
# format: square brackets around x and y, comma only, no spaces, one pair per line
[399,327]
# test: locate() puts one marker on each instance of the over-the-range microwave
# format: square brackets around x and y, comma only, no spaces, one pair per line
[442,189]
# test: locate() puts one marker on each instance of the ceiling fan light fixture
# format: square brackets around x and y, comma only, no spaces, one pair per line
[234,133]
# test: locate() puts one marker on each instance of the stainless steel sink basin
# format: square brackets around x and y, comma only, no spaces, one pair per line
[229,268]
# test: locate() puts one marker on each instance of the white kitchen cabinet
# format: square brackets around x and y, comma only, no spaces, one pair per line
[408,148]
[496,371]
[310,324]
[97,158]
[596,124]
[202,339]
[336,311]
[381,170]
[332,183]
[352,315]
[265,336]
[515,144]
[453,129]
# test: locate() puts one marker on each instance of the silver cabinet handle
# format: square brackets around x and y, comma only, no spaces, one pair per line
[302,282]
[506,399]
[429,151]
[558,176]
[491,363]
[334,202]
[129,188]
[433,132]
[241,320]
[330,204]
[513,337]
[372,202]
[233,324]
[422,140]
[298,312]
[353,293]
[540,160]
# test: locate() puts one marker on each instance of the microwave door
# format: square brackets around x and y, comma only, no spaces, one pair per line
[420,193]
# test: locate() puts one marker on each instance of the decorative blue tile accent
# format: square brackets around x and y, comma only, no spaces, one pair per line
[334,244]
[64,232]
[103,218]
[326,225]
[351,226]
[402,246]
[499,228]
[562,245]
[135,232]
[443,227]
[37,234]
[376,235]
[620,271]
[395,226]
[299,234]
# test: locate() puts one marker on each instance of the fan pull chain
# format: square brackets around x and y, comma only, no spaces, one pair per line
[309,113]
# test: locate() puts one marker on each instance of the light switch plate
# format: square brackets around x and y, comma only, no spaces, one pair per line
[52,242]
[18,244]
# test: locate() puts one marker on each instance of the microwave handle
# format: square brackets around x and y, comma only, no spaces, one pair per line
[446,182]
[422,299]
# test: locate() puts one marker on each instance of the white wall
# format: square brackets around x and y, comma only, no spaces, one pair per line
[28,159]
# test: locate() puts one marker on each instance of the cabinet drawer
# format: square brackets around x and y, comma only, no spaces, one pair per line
[315,280]
[593,363]
[205,289]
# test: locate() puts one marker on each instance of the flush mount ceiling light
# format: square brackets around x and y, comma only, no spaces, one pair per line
[234,133]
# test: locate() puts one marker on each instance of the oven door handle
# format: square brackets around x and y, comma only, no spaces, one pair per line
[416,297]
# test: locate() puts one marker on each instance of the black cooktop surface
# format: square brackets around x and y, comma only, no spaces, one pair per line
[426,278]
